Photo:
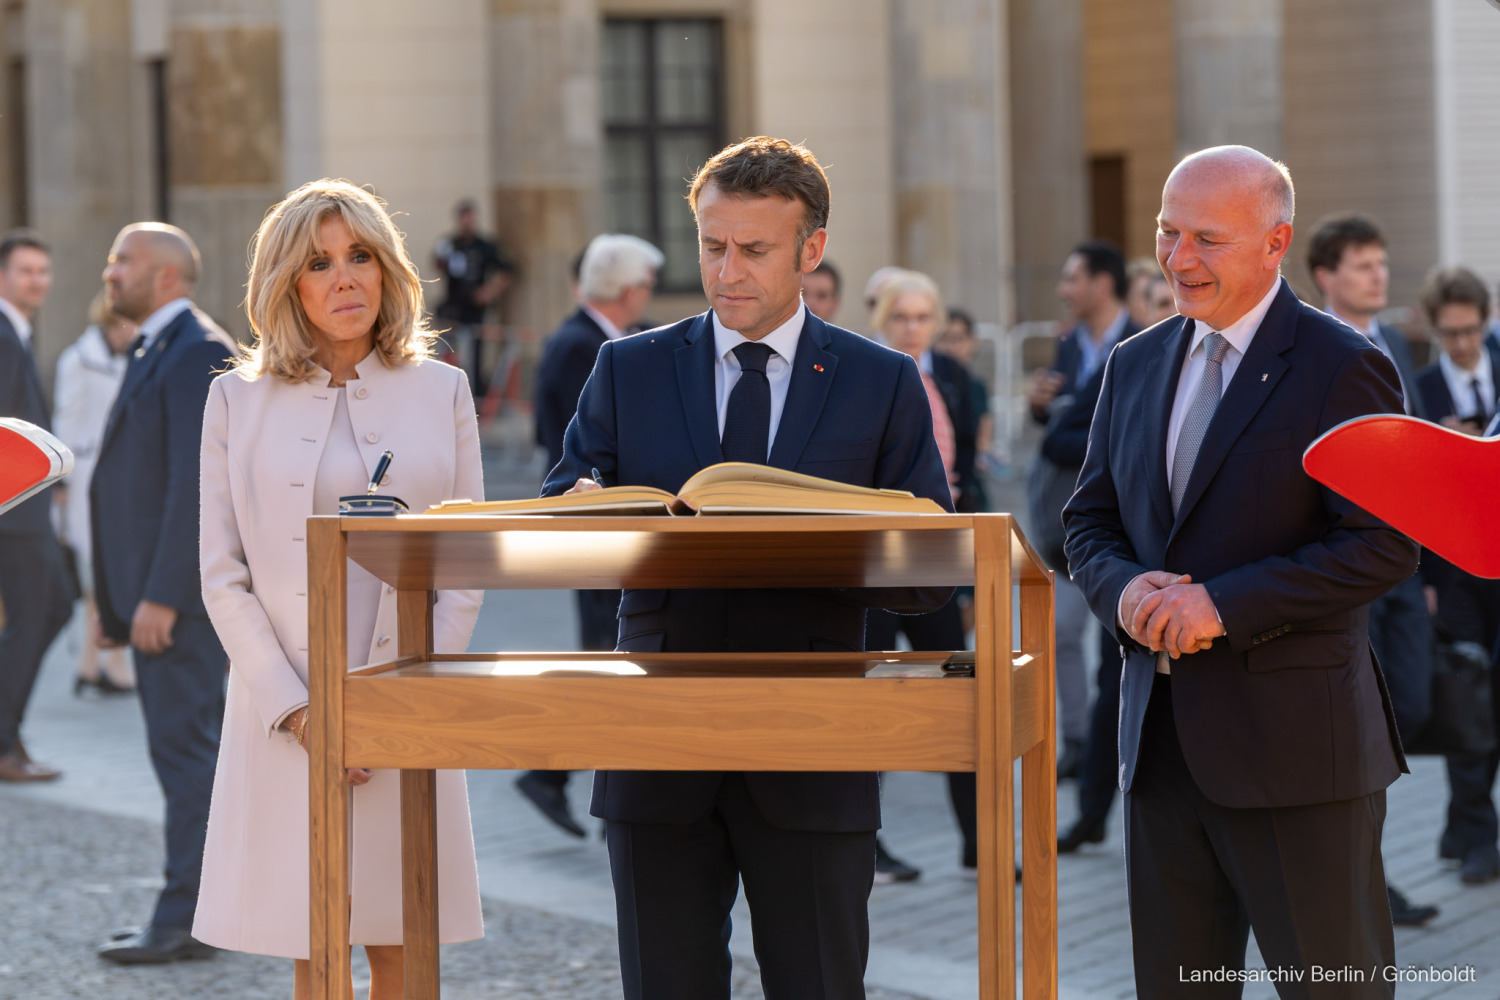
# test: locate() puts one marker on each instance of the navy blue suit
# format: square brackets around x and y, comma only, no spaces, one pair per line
[1259,763]
[1437,401]
[33,584]
[144,498]
[855,412]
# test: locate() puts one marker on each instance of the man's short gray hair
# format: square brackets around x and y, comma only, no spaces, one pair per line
[1281,197]
[614,262]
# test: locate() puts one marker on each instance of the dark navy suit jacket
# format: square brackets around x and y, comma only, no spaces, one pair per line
[21,396]
[855,412]
[144,494]
[1289,707]
[566,363]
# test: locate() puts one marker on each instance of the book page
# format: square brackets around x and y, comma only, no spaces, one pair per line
[747,472]
[616,500]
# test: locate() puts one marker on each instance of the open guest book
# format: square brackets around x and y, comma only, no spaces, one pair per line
[30,460]
[726,488]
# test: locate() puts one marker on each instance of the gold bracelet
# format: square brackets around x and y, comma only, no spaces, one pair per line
[301,730]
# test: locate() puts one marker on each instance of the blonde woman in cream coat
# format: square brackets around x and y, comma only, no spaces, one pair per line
[341,371]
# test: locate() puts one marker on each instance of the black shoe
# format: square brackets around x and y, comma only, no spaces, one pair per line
[156,946]
[1450,847]
[550,800]
[1085,831]
[1067,764]
[889,868]
[1481,864]
[1403,913]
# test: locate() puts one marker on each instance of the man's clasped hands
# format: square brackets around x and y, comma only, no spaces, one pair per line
[1165,611]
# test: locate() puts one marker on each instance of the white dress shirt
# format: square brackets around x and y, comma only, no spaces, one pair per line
[611,332]
[783,343]
[18,320]
[159,321]
[1461,384]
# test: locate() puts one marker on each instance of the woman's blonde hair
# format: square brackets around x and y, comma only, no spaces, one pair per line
[898,285]
[284,244]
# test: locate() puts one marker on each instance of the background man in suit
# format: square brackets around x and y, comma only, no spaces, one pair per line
[144,496]
[1256,737]
[757,379]
[822,291]
[1091,288]
[1347,260]
[33,581]
[1458,391]
[616,276]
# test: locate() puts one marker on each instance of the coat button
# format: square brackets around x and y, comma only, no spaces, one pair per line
[383,640]
[372,437]
[361,392]
[389,589]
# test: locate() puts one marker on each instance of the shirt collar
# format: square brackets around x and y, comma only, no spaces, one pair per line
[611,331]
[17,319]
[1457,376]
[158,321]
[1241,331]
[782,340]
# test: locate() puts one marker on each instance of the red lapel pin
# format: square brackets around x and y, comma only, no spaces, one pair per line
[817,368]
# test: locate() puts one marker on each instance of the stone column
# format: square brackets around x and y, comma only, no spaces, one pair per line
[838,100]
[952,148]
[1229,74]
[546,137]
[1049,191]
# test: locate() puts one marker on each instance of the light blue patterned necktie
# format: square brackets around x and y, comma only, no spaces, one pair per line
[1200,413]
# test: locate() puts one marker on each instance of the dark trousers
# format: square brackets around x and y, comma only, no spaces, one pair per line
[937,630]
[1401,634]
[182,698]
[675,885]
[33,587]
[1307,879]
[1472,821]
[1099,768]
[597,625]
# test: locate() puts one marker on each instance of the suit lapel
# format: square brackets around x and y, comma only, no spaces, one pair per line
[695,384]
[142,363]
[812,378]
[1156,416]
[1259,371]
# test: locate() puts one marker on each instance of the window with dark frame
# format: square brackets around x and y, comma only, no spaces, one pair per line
[663,118]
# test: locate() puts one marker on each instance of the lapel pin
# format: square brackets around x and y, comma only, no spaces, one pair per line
[817,368]
[1264,376]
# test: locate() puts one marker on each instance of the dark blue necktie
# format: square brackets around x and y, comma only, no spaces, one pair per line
[747,425]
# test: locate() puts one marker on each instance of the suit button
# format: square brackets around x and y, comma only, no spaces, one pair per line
[372,437]
[389,589]
[383,640]
[361,392]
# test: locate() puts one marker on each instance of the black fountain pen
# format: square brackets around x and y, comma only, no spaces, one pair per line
[381,468]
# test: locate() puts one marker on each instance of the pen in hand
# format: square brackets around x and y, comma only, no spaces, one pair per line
[596,477]
[381,468]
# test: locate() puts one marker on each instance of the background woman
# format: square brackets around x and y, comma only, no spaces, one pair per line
[341,371]
[910,313]
[89,372]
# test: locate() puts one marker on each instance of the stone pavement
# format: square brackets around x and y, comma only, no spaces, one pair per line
[81,857]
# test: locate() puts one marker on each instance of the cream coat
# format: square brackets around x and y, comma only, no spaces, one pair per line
[262,442]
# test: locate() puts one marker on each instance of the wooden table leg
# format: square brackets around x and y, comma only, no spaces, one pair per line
[1039,808]
[328,791]
[419,890]
[996,808]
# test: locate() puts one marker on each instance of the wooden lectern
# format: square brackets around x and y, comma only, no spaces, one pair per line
[684,711]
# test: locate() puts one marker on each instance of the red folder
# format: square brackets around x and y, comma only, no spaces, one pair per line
[30,460]
[1440,487]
